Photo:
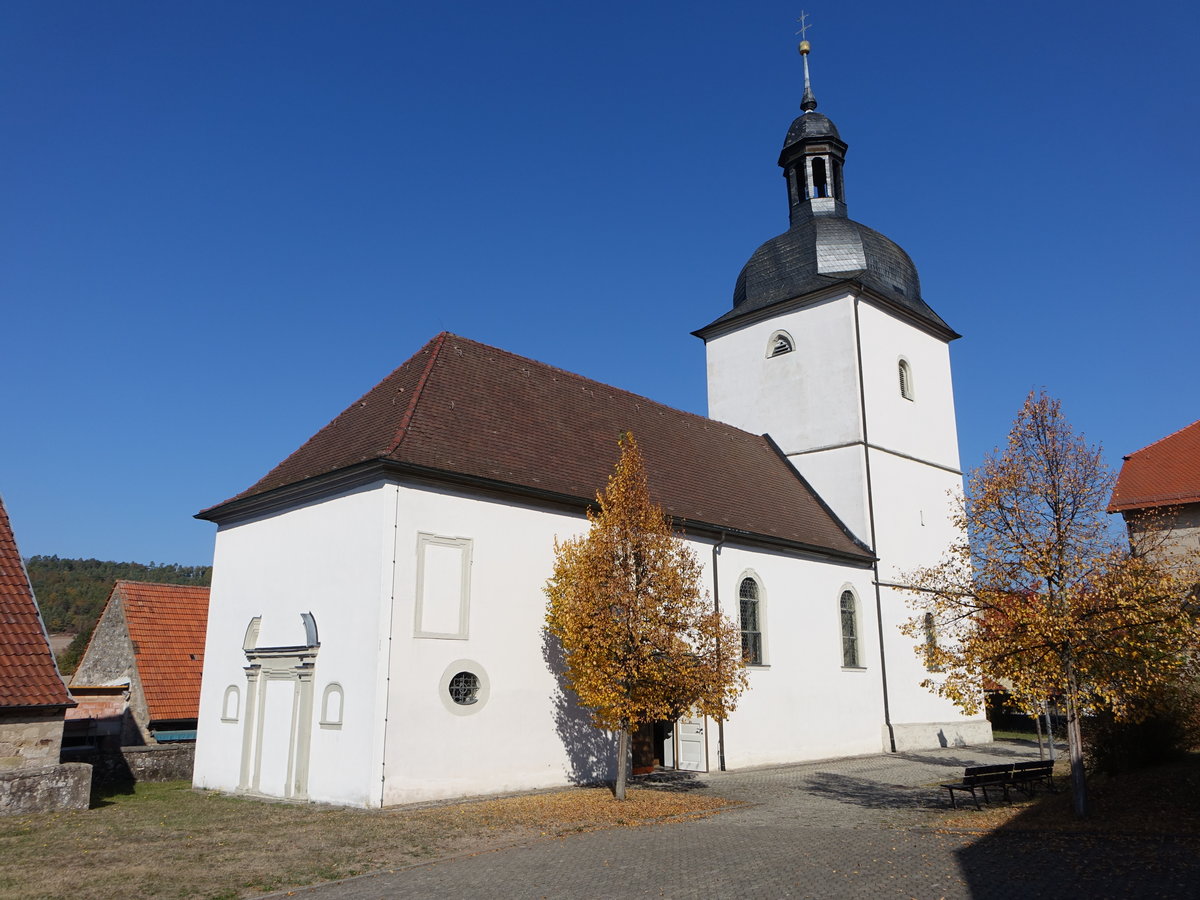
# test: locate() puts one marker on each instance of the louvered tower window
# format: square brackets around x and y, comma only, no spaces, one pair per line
[906,384]
[780,343]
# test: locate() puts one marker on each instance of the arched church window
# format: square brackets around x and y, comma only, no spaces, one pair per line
[780,343]
[820,178]
[748,598]
[848,610]
[929,626]
[837,180]
[906,383]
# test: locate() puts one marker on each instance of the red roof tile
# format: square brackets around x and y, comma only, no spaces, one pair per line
[1166,473]
[462,407]
[28,674]
[166,624]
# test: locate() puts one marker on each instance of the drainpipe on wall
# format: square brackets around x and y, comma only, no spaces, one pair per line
[716,552]
[862,403]
[387,681]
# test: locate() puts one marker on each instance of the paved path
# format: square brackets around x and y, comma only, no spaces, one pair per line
[844,828]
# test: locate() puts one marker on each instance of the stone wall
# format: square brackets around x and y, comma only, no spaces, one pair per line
[45,789]
[1172,534]
[30,738]
[129,765]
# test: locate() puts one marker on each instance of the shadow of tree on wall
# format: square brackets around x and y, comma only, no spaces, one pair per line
[591,752]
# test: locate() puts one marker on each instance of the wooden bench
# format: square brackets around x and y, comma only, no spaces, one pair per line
[981,778]
[1027,775]
[1024,775]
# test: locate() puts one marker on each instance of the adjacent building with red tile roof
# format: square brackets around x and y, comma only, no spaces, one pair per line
[149,641]
[1158,493]
[32,693]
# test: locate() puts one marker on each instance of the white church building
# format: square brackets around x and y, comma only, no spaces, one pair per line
[375,630]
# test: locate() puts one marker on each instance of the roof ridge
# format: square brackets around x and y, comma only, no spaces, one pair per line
[170,584]
[608,387]
[1168,437]
[406,419]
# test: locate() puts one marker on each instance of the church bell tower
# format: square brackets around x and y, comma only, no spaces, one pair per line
[831,350]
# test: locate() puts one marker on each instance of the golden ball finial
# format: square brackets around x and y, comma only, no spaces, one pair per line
[804,48]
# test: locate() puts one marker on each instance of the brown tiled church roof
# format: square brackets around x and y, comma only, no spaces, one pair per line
[463,408]
[28,675]
[166,624]
[1166,473]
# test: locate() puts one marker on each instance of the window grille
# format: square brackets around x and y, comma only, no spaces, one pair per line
[751,631]
[464,688]
[849,630]
[930,628]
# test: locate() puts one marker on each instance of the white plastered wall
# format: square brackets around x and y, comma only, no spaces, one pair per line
[802,703]
[806,400]
[914,479]
[328,558]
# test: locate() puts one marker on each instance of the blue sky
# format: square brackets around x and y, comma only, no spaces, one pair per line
[223,222]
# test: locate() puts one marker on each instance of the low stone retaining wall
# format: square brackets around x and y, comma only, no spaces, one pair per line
[129,765]
[45,789]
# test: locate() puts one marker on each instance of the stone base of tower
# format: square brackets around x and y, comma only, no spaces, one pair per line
[928,735]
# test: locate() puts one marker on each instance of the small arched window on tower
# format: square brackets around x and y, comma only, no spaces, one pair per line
[906,381]
[779,344]
[837,180]
[820,177]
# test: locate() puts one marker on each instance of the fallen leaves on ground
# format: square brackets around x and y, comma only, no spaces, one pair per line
[580,809]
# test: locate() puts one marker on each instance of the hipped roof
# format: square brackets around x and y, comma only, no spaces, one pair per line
[459,408]
[28,674]
[1167,473]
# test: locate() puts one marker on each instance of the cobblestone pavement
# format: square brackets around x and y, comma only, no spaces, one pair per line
[844,828]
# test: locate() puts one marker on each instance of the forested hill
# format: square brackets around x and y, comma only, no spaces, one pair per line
[72,592]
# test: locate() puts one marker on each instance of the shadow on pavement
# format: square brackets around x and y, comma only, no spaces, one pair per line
[671,782]
[867,793]
[1010,863]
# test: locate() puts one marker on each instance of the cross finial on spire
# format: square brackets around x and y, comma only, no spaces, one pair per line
[809,102]
[804,26]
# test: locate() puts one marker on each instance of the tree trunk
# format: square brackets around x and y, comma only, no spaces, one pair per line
[622,763]
[1075,744]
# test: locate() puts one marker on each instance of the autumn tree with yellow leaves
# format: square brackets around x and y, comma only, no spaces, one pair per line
[640,640]
[1041,596]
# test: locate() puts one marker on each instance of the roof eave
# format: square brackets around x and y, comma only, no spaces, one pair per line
[287,496]
[721,325]
[1151,503]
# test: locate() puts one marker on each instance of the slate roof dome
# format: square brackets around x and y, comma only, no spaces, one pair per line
[823,246]
[810,125]
[820,251]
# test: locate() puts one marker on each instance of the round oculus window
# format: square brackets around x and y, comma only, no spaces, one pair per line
[464,688]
